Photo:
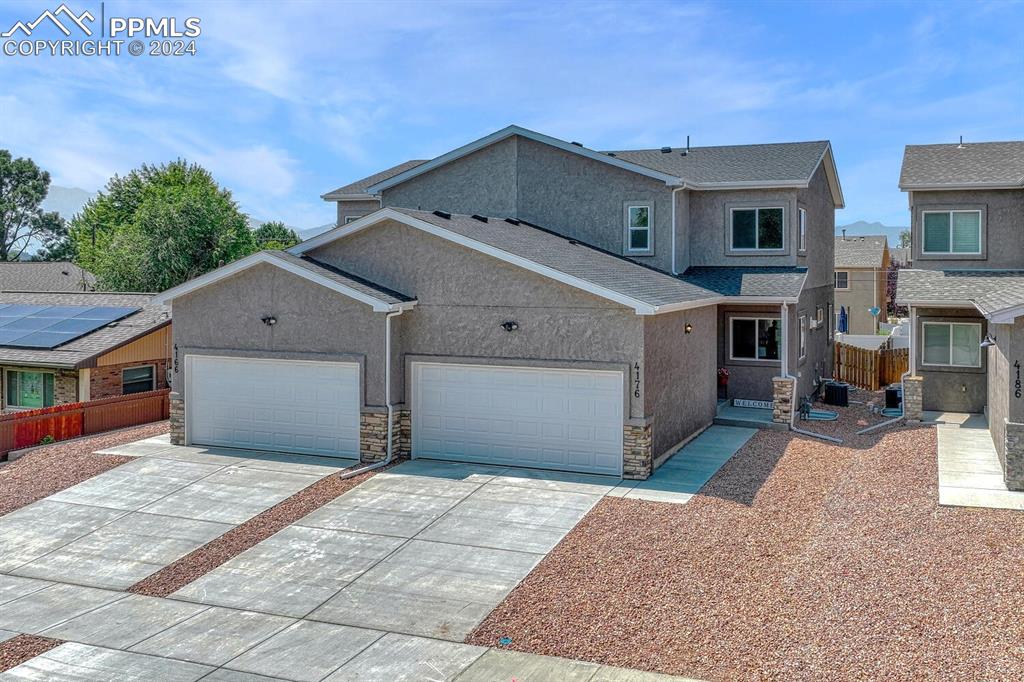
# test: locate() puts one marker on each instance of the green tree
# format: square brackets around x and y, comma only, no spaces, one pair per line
[904,238]
[23,186]
[275,235]
[159,226]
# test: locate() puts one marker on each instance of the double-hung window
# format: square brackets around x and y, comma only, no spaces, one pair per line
[138,379]
[951,232]
[755,338]
[638,228]
[952,344]
[757,229]
[842,279]
[29,389]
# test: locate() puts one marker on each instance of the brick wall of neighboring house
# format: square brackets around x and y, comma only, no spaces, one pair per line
[105,382]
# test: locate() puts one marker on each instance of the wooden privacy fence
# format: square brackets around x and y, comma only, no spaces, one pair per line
[870,369]
[29,427]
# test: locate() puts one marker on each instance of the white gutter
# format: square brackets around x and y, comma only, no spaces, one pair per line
[793,408]
[675,270]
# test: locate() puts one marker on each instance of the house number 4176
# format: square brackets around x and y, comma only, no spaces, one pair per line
[636,381]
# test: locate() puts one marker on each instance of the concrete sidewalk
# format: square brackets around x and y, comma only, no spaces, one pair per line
[970,474]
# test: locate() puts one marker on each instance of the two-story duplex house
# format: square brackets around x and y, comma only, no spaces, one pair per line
[966,289]
[862,267]
[522,300]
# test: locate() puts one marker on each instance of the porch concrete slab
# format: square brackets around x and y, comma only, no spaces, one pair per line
[40,610]
[499,664]
[381,511]
[305,651]
[83,663]
[401,658]
[214,637]
[292,572]
[456,471]
[124,551]
[232,495]
[513,518]
[125,622]
[41,527]
[970,474]
[15,587]
[135,484]
[557,480]
[429,589]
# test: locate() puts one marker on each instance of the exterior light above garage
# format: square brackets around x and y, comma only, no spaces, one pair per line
[269,320]
[510,326]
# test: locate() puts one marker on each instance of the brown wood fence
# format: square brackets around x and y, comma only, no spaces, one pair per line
[870,369]
[26,428]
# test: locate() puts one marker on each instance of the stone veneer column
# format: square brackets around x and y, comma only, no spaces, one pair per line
[913,394]
[783,389]
[637,457]
[373,436]
[401,433]
[1013,461]
[177,419]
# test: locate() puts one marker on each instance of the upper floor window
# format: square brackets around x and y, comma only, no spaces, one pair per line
[638,228]
[803,230]
[842,279]
[757,229]
[950,232]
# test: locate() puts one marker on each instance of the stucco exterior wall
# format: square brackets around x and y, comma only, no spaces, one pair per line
[680,374]
[748,379]
[999,385]
[710,227]
[1002,213]
[867,289]
[817,363]
[355,209]
[819,257]
[483,182]
[313,323]
[951,389]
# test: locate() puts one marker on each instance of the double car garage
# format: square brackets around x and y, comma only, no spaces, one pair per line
[541,417]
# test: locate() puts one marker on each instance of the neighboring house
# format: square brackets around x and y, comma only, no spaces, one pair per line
[60,348]
[900,255]
[862,265]
[522,300]
[44,276]
[966,291]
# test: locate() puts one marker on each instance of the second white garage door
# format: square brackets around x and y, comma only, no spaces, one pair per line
[281,405]
[520,416]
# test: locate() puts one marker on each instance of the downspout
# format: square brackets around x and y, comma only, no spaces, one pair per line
[387,401]
[903,382]
[785,373]
[675,270]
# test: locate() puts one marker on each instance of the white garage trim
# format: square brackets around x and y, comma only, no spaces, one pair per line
[325,421]
[539,417]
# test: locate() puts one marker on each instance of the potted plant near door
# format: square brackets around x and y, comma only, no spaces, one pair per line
[723,377]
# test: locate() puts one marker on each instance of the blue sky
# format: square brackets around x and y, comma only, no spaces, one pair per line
[286,100]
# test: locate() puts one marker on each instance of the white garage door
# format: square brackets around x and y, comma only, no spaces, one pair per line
[531,417]
[282,405]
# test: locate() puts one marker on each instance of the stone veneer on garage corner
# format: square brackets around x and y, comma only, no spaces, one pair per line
[373,435]
[637,456]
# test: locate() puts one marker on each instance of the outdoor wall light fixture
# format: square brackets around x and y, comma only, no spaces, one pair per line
[687,328]
[989,340]
[269,320]
[510,326]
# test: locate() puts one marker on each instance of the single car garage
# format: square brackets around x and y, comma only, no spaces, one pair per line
[283,405]
[522,416]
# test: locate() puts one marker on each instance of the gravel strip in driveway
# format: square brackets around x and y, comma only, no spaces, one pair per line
[51,469]
[17,650]
[799,560]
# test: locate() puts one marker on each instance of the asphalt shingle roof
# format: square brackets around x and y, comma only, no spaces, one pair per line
[359,186]
[788,162]
[775,282]
[377,291]
[77,352]
[990,290]
[45,276]
[973,164]
[867,251]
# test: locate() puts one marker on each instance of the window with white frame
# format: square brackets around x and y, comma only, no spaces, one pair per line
[803,336]
[752,338]
[842,279]
[138,379]
[638,228]
[803,230]
[757,229]
[951,344]
[29,389]
[951,232]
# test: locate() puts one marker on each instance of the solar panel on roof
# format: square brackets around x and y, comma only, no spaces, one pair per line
[33,326]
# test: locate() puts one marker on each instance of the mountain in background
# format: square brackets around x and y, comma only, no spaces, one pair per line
[67,201]
[863,228]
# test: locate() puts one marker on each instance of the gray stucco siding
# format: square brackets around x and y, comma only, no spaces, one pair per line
[224,318]
[951,389]
[818,361]
[819,258]
[1002,236]
[355,209]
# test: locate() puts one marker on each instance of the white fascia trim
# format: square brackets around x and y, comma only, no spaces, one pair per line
[529,134]
[264,257]
[1006,315]
[331,196]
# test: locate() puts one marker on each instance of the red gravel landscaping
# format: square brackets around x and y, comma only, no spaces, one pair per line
[201,561]
[53,468]
[799,560]
[17,650]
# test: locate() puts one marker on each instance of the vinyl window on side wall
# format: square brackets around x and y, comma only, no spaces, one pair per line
[842,279]
[951,232]
[758,229]
[951,344]
[753,338]
[138,379]
[639,228]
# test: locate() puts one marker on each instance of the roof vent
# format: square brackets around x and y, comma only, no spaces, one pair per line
[687,150]
[443,214]
[512,221]
[576,143]
[610,153]
[961,145]
[574,242]
[666,150]
[481,218]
